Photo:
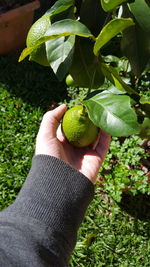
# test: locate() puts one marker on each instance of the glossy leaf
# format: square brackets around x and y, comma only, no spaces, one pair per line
[141,11]
[59,6]
[110,30]
[135,45]
[26,52]
[112,113]
[86,68]
[108,5]
[59,51]
[112,75]
[68,27]
[61,28]
[59,55]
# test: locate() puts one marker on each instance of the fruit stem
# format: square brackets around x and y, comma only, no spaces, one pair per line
[82,111]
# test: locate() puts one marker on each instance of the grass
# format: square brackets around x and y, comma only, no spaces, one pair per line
[110,235]
[19,124]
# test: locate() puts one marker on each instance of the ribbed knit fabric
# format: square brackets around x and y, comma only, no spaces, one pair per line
[40,227]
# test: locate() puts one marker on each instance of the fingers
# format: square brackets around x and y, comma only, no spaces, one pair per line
[94,145]
[60,135]
[103,144]
[51,121]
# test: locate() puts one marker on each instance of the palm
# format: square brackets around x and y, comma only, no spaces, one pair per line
[85,160]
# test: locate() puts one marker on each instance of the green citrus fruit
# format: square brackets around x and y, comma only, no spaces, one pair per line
[70,80]
[78,128]
[37,31]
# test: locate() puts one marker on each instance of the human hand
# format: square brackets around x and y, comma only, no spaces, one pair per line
[50,141]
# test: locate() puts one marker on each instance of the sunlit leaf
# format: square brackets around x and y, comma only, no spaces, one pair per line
[108,5]
[110,30]
[64,27]
[112,75]
[27,51]
[145,100]
[59,6]
[112,113]
[68,27]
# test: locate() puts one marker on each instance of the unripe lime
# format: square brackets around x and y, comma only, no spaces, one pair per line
[78,129]
[70,80]
[37,30]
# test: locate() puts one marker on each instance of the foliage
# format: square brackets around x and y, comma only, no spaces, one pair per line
[108,236]
[122,169]
[75,45]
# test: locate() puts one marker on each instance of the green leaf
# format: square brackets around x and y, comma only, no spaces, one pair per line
[112,75]
[69,27]
[110,30]
[112,113]
[108,5]
[59,55]
[86,68]
[115,91]
[60,50]
[145,100]
[64,27]
[135,45]
[26,52]
[141,11]
[59,6]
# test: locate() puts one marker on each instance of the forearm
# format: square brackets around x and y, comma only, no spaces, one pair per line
[49,210]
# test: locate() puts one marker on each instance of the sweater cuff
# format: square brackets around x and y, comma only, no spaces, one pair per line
[54,193]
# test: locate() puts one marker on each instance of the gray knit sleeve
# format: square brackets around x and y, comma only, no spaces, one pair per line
[40,227]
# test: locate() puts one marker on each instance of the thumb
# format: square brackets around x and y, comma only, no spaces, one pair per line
[51,121]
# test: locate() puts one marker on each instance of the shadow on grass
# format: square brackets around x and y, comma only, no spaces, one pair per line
[137,206]
[33,83]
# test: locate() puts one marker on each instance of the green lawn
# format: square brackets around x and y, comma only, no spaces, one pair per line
[111,234]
